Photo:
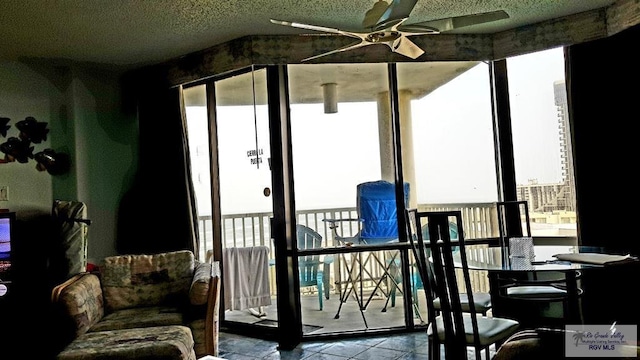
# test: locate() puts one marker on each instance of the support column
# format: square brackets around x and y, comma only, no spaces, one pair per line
[386,141]
[385,138]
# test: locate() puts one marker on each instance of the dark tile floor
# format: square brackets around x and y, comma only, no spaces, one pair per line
[384,347]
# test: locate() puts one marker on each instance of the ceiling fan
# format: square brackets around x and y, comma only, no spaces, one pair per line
[385,24]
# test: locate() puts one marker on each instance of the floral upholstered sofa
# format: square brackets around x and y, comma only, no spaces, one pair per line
[159,306]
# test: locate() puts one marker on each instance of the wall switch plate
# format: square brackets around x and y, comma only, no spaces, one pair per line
[4,193]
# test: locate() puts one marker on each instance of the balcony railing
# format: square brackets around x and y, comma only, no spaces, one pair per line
[252,229]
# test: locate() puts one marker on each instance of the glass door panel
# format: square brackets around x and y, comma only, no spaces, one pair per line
[448,148]
[341,137]
[195,101]
[245,199]
[244,188]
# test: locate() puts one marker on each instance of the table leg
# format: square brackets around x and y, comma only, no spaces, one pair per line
[573,302]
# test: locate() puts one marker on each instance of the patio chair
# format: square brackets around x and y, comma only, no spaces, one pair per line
[377,224]
[544,295]
[314,271]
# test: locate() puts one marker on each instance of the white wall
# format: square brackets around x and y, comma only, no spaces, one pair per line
[83,110]
[26,93]
[106,146]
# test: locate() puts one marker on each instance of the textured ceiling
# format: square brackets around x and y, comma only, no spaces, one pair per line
[134,33]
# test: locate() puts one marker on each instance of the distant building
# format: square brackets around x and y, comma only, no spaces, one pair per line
[555,198]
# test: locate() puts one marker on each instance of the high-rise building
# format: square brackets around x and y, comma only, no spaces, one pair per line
[566,150]
[561,196]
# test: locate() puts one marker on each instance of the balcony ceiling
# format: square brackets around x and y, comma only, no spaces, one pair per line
[355,82]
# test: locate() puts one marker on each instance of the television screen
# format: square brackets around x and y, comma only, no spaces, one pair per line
[6,222]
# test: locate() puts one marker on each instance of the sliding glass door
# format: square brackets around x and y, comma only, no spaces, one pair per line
[229,127]
[341,138]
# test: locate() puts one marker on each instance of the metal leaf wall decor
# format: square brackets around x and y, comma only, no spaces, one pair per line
[20,148]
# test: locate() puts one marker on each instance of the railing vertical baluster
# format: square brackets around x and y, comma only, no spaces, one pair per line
[262,235]
[233,231]
[244,232]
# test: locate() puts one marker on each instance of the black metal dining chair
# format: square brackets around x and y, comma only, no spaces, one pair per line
[481,300]
[552,301]
[451,326]
[534,299]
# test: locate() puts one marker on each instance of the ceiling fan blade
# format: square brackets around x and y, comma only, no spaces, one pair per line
[306,26]
[318,28]
[344,48]
[372,15]
[417,29]
[406,47]
[457,22]
[396,13]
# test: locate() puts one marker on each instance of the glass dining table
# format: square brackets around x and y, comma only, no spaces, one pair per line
[570,261]
[546,258]
[493,259]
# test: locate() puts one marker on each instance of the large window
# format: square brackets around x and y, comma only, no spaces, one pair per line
[334,151]
[449,156]
[342,135]
[542,142]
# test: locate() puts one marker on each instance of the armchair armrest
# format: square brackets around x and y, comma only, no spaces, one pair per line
[199,290]
[55,292]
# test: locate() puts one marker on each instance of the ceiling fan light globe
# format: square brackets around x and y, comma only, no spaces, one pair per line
[383,37]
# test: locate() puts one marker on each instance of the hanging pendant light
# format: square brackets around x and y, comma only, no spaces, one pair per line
[330,97]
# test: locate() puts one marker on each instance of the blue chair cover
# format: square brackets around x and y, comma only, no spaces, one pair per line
[377,208]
